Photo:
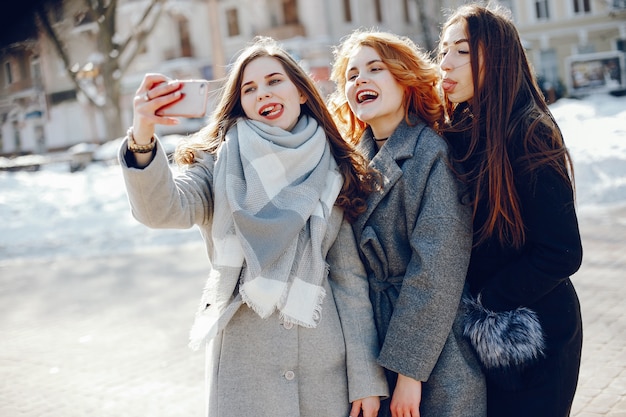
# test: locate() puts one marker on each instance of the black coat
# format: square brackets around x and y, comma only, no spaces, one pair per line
[537,277]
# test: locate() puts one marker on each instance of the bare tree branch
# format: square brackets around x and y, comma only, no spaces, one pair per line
[116,58]
[142,32]
[42,14]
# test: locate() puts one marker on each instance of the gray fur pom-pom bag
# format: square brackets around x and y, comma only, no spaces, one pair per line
[505,341]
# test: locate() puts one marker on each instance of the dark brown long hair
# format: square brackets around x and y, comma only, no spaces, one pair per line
[409,65]
[508,106]
[358,181]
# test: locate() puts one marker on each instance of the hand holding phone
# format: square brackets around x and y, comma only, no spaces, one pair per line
[193,103]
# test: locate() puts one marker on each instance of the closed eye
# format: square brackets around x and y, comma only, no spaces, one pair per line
[445,52]
[352,75]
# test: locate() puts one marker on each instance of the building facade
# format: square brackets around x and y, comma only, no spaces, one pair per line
[42,109]
[576,46]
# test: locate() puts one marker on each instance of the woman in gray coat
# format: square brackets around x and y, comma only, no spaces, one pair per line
[272,187]
[415,236]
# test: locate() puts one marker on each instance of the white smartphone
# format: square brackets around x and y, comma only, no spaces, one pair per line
[193,103]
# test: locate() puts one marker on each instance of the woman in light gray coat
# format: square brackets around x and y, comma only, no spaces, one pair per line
[272,187]
[415,236]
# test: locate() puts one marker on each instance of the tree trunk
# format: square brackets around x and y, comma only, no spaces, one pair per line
[116,57]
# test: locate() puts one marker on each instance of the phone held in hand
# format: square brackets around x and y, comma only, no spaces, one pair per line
[193,103]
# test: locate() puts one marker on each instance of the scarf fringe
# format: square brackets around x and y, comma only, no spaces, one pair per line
[316,316]
[208,322]
[256,308]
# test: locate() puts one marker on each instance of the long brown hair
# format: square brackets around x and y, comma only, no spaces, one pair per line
[507,106]
[358,181]
[409,65]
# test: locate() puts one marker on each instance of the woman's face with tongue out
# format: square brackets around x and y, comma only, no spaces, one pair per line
[374,95]
[268,94]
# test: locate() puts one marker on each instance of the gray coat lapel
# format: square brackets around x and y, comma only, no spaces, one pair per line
[388,160]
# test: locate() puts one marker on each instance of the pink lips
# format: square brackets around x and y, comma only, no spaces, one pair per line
[271,110]
[448,85]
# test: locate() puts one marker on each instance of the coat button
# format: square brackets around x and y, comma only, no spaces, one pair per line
[288,325]
[289,375]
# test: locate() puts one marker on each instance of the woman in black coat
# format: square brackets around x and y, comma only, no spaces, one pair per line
[524,318]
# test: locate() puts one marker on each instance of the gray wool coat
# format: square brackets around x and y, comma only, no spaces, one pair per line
[415,240]
[264,367]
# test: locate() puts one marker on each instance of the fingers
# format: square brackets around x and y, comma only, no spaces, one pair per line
[155,91]
[406,397]
[404,410]
[151,80]
[370,406]
[148,102]
[160,89]
[356,409]
[365,407]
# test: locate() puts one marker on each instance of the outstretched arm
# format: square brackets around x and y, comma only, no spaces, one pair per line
[155,91]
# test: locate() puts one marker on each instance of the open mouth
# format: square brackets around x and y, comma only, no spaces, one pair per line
[366,95]
[270,110]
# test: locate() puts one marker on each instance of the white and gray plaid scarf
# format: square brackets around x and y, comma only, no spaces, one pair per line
[273,195]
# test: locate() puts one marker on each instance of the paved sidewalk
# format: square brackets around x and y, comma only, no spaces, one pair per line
[102,337]
[107,336]
[601,286]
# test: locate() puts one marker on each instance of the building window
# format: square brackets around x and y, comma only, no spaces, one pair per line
[549,68]
[17,137]
[35,72]
[347,11]
[549,75]
[8,73]
[619,4]
[582,6]
[585,48]
[407,11]
[185,39]
[35,69]
[233,22]
[541,10]
[290,11]
[378,10]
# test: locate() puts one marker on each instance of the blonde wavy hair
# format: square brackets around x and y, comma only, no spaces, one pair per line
[410,66]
